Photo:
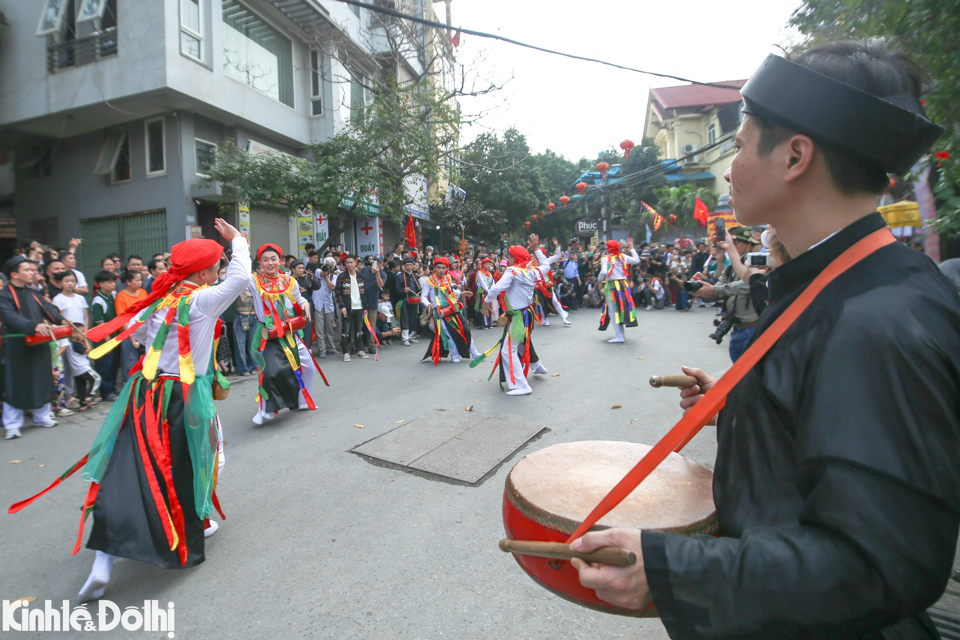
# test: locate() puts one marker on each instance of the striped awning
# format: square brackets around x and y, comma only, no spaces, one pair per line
[307,14]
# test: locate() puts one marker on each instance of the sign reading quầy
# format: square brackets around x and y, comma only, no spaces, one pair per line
[587,227]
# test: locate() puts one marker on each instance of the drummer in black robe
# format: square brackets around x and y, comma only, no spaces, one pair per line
[27,370]
[836,483]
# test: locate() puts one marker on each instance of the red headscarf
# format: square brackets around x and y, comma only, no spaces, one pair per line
[520,255]
[186,258]
[443,261]
[613,247]
[271,247]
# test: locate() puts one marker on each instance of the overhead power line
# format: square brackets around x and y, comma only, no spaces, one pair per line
[481,34]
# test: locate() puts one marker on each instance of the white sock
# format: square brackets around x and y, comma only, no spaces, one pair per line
[96,583]
[537,367]
[522,391]
[270,415]
[613,340]
[212,529]
[258,419]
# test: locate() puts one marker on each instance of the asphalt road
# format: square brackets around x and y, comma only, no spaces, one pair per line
[323,543]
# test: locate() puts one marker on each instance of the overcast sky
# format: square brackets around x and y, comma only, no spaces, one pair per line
[580,108]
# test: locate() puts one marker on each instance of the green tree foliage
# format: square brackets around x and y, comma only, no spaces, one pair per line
[927,29]
[681,202]
[400,136]
[499,174]
[470,218]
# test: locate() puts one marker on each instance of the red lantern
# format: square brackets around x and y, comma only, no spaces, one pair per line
[527,223]
[534,218]
[602,168]
[671,218]
[627,146]
[564,200]
[551,206]
[581,187]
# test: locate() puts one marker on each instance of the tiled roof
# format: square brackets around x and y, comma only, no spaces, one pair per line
[696,95]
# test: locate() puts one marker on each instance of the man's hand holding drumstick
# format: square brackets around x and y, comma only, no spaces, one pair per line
[621,586]
[627,586]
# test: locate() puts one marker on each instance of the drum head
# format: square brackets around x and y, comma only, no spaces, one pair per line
[559,486]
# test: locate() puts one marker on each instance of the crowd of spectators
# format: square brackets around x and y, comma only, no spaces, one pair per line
[657,282]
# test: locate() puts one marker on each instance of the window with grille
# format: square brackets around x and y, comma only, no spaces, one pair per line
[256,53]
[205,151]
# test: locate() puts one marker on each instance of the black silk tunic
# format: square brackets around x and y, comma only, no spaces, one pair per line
[837,479]
[27,371]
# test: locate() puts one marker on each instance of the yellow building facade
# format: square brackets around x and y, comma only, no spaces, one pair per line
[695,125]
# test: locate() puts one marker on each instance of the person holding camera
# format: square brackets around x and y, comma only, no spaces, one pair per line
[324,308]
[738,307]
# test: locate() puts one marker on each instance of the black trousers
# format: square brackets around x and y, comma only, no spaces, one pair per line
[352,327]
[409,316]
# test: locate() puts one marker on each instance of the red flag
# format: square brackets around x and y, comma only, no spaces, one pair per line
[657,218]
[700,211]
[410,235]
[456,39]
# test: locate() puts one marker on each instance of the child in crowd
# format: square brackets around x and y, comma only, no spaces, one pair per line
[384,314]
[130,350]
[74,308]
[58,347]
[104,310]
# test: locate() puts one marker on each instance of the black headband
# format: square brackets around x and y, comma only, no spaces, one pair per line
[890,133]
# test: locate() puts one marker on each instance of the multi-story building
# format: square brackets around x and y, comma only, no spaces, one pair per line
[112,109]
[684,119]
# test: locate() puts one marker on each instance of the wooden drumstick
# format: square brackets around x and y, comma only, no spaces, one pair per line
[613,556]
[681,382]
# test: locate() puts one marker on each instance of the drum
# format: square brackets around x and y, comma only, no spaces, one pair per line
[550,492]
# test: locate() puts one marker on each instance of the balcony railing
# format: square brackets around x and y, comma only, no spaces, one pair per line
[76,53]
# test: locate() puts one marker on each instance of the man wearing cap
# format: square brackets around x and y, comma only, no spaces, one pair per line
[735,295]
[618,303]
[517,286]
[374,282]
[407,289]
[451,335]
[27,382]
[836,481]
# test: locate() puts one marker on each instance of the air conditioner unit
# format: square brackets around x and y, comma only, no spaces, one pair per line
[687,150]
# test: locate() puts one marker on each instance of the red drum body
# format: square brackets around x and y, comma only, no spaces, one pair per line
[413,300]
[293,324]
[446,312]
[551,491]
[59,333]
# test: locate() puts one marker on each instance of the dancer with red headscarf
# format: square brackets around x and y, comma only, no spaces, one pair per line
[153,466]
[285,365]
[617,301]
[517,356]
[451,335]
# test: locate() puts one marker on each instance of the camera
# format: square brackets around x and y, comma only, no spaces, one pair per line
[325,268]
[692,285]
[757,259]
[723,326]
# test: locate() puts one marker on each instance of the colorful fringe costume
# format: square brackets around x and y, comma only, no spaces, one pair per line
[451,335]
[285,366]
[517,356]
[617,301]
[153,466]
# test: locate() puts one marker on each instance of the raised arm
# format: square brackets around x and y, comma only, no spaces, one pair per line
[213,301]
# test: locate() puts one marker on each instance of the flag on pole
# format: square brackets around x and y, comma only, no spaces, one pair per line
[410,235]
[657,218]
[700,211]
[456,39]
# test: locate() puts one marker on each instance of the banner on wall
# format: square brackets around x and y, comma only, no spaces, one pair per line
[304,230]
[244,217]
[369,236]
[321,228]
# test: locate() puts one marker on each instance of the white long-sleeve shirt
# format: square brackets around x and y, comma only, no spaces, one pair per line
[519,285]
[258,301]
[206,306]
[612,269]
